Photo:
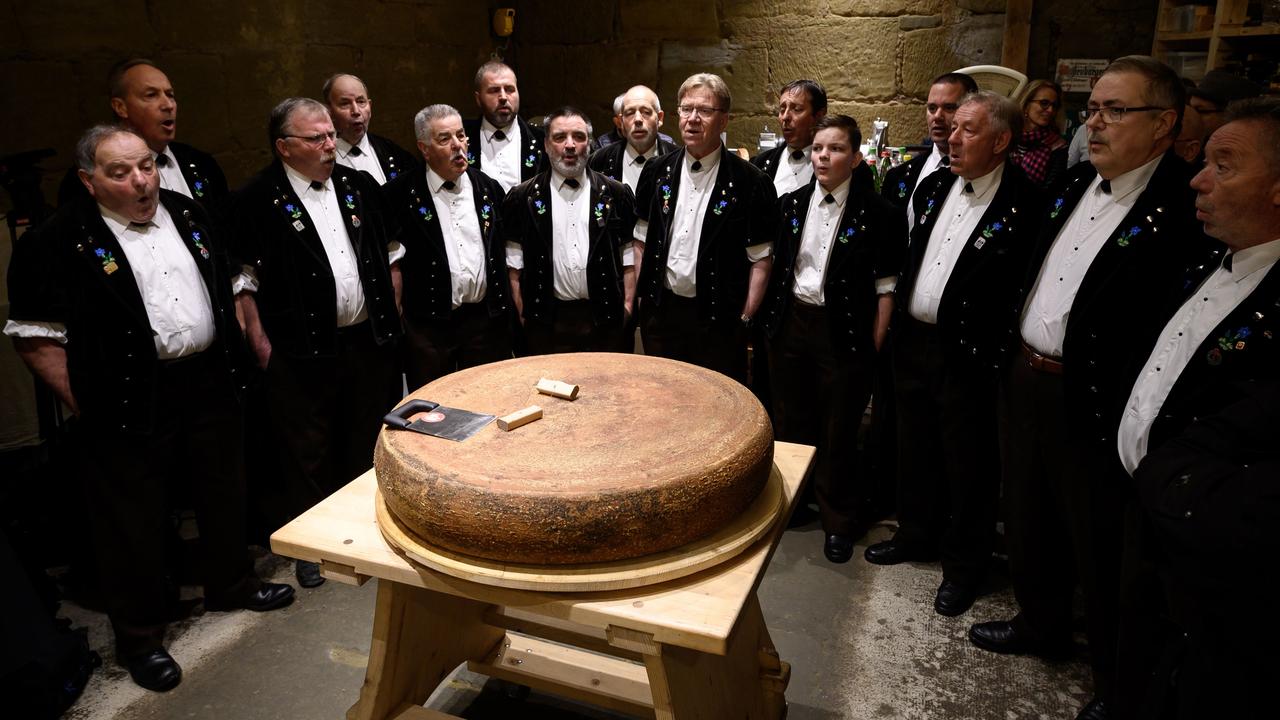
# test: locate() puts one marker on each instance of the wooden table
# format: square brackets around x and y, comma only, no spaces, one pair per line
[696,647]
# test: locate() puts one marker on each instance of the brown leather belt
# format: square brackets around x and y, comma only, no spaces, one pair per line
[1040,362]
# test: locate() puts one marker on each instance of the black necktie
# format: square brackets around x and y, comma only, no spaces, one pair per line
[640,159]
[1106,186]
[355,150]
[573,183]
[696,166]
[945,161]
[797,154]
[499,135]
[448,185]
[968,187]
[162,160]
[829,198]
[317,185]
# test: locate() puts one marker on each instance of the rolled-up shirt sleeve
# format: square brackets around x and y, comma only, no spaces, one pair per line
[641,231]
[515,256]
[756,253]
[886,285]
[395,251]
[245,281]
[36,329]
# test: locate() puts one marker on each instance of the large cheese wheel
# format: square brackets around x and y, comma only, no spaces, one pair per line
[653,454]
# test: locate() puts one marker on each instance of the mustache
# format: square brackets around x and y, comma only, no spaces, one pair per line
[1096,138]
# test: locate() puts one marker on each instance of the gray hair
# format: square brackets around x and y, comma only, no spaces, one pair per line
[1163,88]
[566,111]
[429,114]
[617,104]
[711,82]
[328,85]
[282,114]
[1004,113]
[87,146]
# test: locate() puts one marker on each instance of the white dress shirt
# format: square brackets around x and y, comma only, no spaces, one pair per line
[366,159]
[463,241]
[1092,223]
[170,173]
[821,222]
[570,237]
[1211,303]
[953,224]
[931,164]
[326,217]
[173,292]
[792,174]
[630,168]
[500,159]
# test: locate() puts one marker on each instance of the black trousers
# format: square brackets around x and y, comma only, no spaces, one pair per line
[470,337]
[197,444]
[672,330]
[818,399]
[328,411]
[1064,520]
[948,461]
[574,330]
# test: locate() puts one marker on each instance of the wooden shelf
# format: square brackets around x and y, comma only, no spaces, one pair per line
[1167,37]
[1265,30]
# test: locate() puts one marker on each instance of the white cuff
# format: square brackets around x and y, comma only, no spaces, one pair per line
[515,256]
[36,329]
[756,253]
[886,285]
[246,281]
[641,231]
[395,251]
[629,255]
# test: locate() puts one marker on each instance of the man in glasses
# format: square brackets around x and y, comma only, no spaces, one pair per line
[1212,95]
[457,311]
[1115,241]
[641,115]
[500,142]
[318,296]
[352,110]
[143,100]
[944,97]
[705,239]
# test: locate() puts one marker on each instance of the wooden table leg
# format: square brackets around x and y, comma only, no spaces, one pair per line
[419,637]
[748,681]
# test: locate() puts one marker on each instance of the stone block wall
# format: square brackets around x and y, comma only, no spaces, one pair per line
[231,61]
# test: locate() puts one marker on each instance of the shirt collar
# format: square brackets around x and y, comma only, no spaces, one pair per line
[840,194]
[1251,259]
[434,181]
[983,186]
[936,152]
[808,152]
[118,223]
[344,147]
[630,153]
[709,162]
[1134,180]
[300,183]
[168,152]
[558,180]
[488,129]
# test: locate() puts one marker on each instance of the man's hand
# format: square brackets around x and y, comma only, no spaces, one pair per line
[247,314]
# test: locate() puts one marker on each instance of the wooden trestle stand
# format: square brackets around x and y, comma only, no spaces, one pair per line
[694,647]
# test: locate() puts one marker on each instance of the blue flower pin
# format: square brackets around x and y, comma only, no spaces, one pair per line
[541,207]
[1125,239]
[351,202]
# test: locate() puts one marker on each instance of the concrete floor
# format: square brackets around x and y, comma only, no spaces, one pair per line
[863,642]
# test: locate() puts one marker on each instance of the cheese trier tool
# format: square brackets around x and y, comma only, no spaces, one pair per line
[440,421]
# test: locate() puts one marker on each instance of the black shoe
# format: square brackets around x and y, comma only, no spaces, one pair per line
[308,574]
[1095,710]
[1002,636]
[268,597]
[838,548]
[892,552]
[953,598]
[156,671]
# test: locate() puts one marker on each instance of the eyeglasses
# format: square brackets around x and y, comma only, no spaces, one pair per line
[1046,104]
[317,139]
[1114,113]
[702,112]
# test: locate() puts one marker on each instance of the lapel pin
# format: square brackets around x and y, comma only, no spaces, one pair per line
[299,226]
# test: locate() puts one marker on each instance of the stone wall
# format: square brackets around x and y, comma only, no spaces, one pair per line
[231,61]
